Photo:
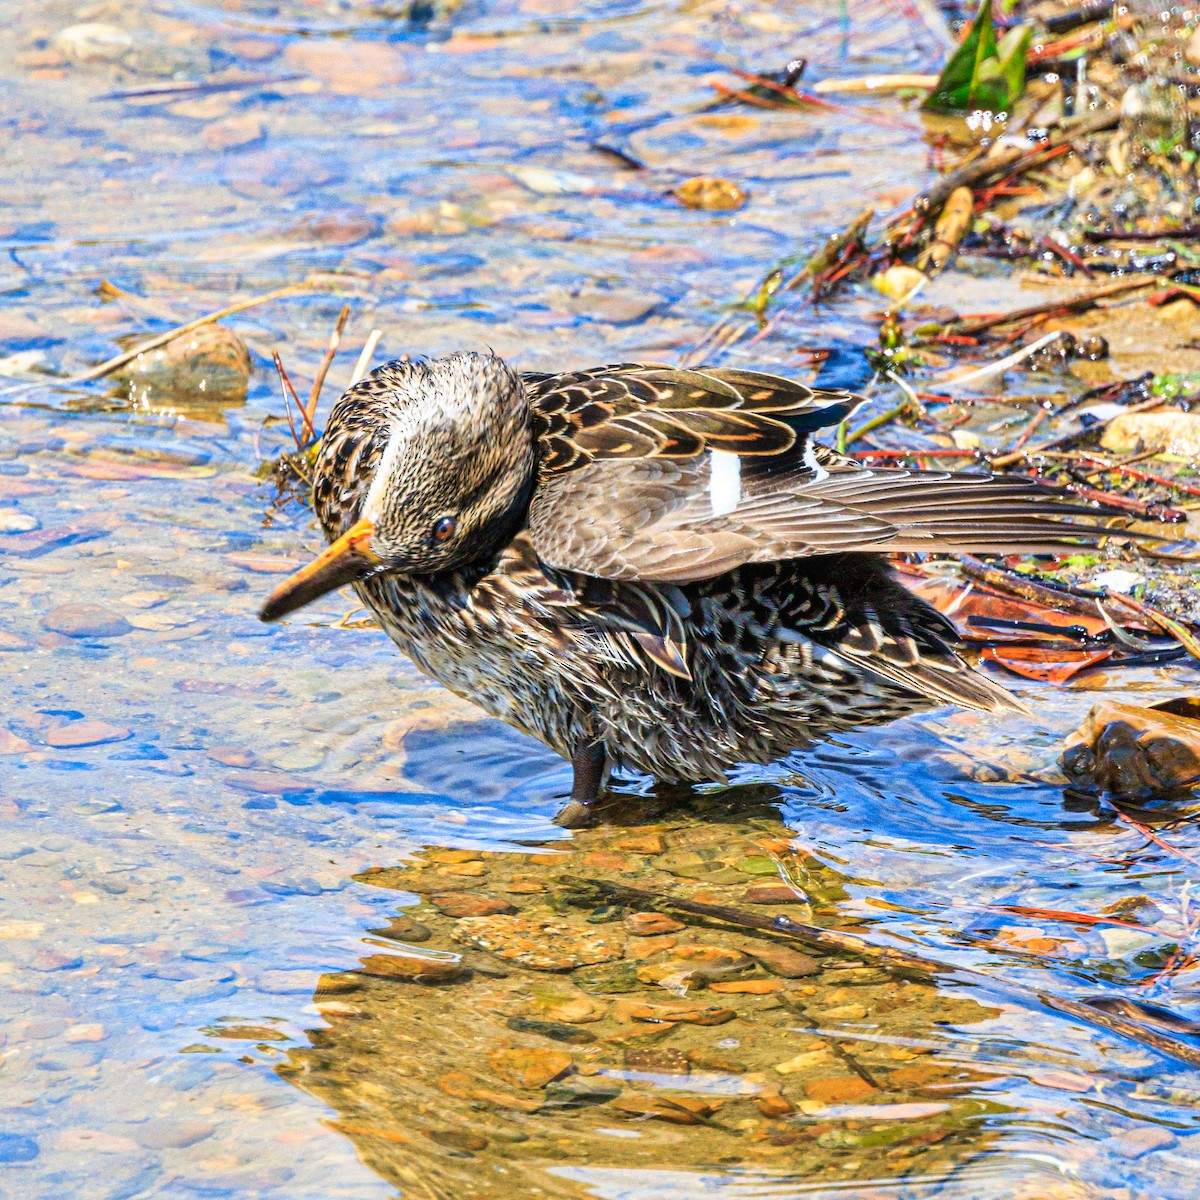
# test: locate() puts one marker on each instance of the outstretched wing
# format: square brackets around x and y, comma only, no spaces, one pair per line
[655,474]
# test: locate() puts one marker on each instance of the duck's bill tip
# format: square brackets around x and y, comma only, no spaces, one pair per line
[345,560]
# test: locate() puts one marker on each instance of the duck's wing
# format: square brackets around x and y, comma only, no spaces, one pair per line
[656,474]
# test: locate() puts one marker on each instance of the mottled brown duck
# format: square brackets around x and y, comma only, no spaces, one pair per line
[647,567]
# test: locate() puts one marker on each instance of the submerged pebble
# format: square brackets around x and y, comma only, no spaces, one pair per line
[81,620]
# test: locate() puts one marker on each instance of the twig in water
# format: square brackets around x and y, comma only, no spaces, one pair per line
[1067,439]
[335,340]
[902,962]
[288,389]
[364,359]
[1162,843]
[160,339]
[191,88]
[873,83]
[1060,599]
[875,422]
[1000,365]
[1189,233]
[1078,303]
[1028,431]
[1179,632]
[1008,162]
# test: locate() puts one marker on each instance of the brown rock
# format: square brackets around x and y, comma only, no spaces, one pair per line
[747,987]
[403,928]
[231,132]
[469,904]
[452,856]
[349,68]
[651,924]
[413,969]
[524,885]
[645,947]
[575,1008]
[530,1066]
[678,1110]
[772,893]
[773,1104]
[1135,753]
[340,229]
[541,943]
[1191,51]
[210,363]
[263,564]
[1134,1143]
[465,870]
[709,192]
[11,744]
[233,756]
[604,860]
[848,1089]
[85,733]
[1170,431]
[457,1139]
[639,1035]
[782,960]
[267,783]
[917,1075]
[639,843]
[85,621]
[465,1087]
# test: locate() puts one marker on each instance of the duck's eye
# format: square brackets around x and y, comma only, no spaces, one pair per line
[444,530]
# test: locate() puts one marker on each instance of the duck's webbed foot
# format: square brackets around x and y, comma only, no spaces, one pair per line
[588,764]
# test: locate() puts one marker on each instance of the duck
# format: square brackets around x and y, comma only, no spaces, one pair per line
[649,568]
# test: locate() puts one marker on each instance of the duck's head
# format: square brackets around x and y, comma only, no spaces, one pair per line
[424,467]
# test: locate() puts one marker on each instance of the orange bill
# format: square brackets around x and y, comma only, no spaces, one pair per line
[343,561]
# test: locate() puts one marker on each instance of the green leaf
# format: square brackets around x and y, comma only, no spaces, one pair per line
[1011,51]
[982,74]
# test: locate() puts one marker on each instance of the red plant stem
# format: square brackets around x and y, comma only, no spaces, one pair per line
[1028,431]
[1145,831]
[1146,476]
[912,453]
[1052,50]
[793,93]
[1155,512]
[1175,965]
[1067,256]
[1076,918]
[747,98]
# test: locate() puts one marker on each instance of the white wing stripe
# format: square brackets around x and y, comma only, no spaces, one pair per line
[724,482]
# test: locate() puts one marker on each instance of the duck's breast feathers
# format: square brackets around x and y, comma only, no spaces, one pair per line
[649,473]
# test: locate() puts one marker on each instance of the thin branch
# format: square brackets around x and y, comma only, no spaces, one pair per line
[364,359]
[287,388]
[161,339]
[335,340]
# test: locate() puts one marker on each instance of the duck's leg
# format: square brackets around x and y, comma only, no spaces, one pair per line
[588,765]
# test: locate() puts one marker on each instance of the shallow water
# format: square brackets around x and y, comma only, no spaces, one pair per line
[194,803]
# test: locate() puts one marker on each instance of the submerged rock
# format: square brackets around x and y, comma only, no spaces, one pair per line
[1168,431]
[210,363]
[1133,753]
[545,945]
